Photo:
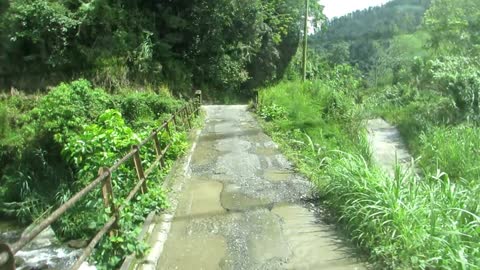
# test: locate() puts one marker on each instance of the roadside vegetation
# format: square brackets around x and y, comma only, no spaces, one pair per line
[422,78]
[82,81]
[52,146]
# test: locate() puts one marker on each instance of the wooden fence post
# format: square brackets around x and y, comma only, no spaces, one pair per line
[189,114]
[167,128]
[174,119]
[198,97]
[158,149]
[7,260]
[183,115]
[108,197]
[139,168]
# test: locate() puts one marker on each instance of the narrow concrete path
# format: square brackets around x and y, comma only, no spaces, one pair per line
[245,208]
[388,147]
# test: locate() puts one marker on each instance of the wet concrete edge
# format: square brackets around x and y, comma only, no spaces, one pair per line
[163,220]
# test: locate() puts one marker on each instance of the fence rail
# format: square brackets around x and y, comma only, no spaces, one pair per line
[184,115]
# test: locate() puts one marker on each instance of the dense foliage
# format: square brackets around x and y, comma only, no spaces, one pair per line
[360,37]
[52,146]
[216,45]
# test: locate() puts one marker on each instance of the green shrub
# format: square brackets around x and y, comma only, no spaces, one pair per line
[67,107]
[102,144]
[139,108]
[35,168]
[459,77]
[272,112]
[4,122]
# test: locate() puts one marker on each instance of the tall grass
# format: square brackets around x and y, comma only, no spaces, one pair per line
[456,150]
[405,222]
[402,222]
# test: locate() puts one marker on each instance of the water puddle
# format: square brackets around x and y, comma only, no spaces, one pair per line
[199,252]
[233,199]
[266,151]
[277,175]
[202,199]
[204,154]
[268,247]
[194,242]
[315,245]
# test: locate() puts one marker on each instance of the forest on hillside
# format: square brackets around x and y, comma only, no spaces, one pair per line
[361,37]
[83,81]
[223,45]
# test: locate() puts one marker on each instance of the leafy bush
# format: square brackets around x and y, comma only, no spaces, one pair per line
[272,112]
[32,166]
[67,107]
[100,145]
[139,108]
[458,77]
[4,122]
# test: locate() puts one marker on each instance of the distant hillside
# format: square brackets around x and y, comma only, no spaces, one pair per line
[395,17]
[356,35]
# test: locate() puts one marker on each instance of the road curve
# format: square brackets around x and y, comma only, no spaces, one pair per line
[245,208]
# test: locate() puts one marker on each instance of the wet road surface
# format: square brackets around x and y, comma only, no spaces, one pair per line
[245,208]
[388,147]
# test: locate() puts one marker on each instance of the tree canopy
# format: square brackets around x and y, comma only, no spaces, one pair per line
[222,44]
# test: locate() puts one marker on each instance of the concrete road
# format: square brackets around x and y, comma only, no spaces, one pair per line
[388,147]
[245,208]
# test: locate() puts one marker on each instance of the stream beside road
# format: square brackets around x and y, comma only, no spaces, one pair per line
[45,252]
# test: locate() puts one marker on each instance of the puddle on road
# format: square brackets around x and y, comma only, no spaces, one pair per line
[315,245]
[204,153]
[277,175]
[203,253]
[233,200]
[266,151]
[193,242]
[268,247]
[201,198]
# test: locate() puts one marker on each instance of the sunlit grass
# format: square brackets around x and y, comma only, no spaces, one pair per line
[401,222]
[404,221]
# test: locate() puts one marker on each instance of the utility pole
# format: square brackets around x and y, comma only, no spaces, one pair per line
[305,40]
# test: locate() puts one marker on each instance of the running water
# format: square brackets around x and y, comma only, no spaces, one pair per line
[45,252]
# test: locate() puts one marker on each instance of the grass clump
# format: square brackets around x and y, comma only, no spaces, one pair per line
[405,222]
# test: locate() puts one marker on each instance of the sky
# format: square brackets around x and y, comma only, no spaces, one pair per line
[337,8]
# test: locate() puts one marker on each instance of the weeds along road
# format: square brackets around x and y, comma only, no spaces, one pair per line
[245,208]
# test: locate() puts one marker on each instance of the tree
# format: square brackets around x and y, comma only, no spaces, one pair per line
[454,26]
